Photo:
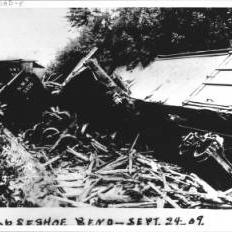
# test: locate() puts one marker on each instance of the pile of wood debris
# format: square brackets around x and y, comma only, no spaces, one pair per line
[66,161]
[82,168]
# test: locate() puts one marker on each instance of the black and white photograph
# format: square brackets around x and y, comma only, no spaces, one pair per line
[116,107]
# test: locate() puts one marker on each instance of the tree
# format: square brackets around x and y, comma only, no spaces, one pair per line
[194,29]
[132,36]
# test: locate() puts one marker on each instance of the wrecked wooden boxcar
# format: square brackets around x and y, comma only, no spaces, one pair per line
[22,91]
[105,103]
[195,89]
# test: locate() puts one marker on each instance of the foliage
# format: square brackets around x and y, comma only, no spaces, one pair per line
[195,29]
[132,36]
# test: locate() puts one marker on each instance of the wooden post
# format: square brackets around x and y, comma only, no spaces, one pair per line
[79,66]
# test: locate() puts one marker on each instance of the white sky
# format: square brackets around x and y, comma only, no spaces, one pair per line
[33,33]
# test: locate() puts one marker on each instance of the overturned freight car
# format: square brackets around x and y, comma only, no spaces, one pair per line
[195,89]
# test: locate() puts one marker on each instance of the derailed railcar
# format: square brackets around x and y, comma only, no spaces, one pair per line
[165,128]
[99,100]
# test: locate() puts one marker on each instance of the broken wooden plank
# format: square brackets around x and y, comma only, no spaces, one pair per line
[88,188]
[131,157]
[51,161]
[77,154]
[168,199]
[79,66]
[134,205]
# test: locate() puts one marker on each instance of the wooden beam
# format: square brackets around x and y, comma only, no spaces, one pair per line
[79,66]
